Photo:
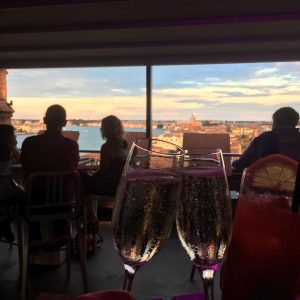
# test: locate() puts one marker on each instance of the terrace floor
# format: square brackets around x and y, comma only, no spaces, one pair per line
[166,275]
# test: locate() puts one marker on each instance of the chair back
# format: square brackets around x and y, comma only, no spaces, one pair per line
[53,195]
[130,136]
[209,140]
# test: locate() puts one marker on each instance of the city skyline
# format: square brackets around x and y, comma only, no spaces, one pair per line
[248,92]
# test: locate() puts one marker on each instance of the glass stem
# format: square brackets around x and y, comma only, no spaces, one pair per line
[206,285]
[212,290]
[207,276]
[129,276]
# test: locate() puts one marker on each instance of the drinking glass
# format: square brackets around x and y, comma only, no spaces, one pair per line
[145,205]
[203,216]
[263,261]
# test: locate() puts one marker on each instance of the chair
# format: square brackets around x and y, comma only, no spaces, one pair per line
[106,202]
[8,202]
[54,196]
[130,136]
[209,140]
[102,201]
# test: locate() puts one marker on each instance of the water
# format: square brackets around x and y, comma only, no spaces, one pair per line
[89,138]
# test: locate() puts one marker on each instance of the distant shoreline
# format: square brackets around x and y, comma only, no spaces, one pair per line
[24,133]
[89,138]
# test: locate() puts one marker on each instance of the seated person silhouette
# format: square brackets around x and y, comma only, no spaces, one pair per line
[104,181]
[283,139]
[49,152]
[10,192]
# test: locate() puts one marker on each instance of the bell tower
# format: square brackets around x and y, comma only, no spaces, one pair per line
[6,110]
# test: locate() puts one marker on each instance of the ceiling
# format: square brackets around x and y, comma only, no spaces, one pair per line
[57,33]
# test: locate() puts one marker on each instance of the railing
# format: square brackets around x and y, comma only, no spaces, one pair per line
[95,159]
[88,151]
[232,154]
[89,160]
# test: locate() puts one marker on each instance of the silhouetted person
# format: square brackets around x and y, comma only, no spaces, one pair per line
[105,179]
[49,152]
[10,192]
[113,157]
[283,139]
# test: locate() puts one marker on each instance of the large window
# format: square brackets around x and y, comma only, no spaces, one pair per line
[238,99]
[88,94]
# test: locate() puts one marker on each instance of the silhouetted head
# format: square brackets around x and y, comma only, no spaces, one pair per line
[7,141]
[285,117]
[112,128]
[55,117]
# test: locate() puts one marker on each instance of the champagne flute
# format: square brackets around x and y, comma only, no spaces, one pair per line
[203,216]
[145,205]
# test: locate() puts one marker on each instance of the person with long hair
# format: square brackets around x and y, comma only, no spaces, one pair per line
[105,179]
[10,192]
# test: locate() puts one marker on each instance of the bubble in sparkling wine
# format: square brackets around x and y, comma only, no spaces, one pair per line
[145,213]
[204,215]
[215,172]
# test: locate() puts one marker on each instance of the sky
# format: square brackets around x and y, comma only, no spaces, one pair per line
[211,92]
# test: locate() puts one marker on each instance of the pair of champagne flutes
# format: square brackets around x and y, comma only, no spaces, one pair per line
[161,182]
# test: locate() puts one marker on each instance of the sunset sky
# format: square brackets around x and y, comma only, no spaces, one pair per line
[219,92]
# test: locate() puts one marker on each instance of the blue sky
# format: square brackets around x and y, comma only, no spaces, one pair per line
[215,91]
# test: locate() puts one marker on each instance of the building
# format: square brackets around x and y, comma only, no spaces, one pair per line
[6,110]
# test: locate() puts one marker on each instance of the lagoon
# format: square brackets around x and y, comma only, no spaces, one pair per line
[89,138]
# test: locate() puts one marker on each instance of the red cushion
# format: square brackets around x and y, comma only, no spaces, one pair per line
[106,295]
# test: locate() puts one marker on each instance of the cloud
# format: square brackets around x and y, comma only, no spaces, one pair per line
[87,108]
[231,91]
[75,82]
[188,101]
[200,103]
[187,82]
[267,71]
[212,79]
[119,91]
[241,94]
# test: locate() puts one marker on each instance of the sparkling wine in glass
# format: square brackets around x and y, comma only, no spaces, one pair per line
[145,205]
[203,216]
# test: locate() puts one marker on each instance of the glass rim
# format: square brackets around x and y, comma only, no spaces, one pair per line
[205,148]
[159,153]
[191,152]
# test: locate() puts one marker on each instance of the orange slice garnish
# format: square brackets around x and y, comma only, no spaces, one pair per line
[275,172]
